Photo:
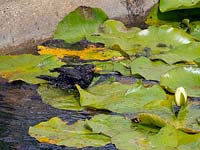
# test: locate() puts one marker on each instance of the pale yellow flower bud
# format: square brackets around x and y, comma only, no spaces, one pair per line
[180,96]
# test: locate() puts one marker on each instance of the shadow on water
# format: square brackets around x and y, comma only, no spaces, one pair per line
[20,108]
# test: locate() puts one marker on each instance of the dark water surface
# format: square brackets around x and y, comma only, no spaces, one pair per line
[20,108]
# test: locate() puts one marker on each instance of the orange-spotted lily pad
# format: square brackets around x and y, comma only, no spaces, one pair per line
[56,131]
[27,67]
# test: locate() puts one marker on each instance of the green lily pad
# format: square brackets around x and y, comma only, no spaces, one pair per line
[114,126]
[197,61]
[189,118]
[150,70]
[61,99]
[195,29]
[102,129]
[78,24]
[158,18]
[56,131]
[114,66]
[162,38]
[27,67]
[109,125]
[135,40]
[193,146]
[118,97]
[168,138]
[115,33]
[176,19]
[131,140]
[187,77]
[168,5]
[156,113]
[160,114]
[186,53]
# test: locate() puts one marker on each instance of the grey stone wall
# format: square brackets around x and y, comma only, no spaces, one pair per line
[25,23]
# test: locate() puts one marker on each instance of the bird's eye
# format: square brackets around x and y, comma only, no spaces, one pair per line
[136,120]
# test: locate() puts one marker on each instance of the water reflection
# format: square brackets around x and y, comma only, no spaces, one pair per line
[20,108]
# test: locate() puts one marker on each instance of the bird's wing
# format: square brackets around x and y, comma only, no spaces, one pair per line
[68,72]
[60,70]
[46,77]
[73,73]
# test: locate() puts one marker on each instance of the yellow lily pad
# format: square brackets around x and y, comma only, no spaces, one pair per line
[90,53]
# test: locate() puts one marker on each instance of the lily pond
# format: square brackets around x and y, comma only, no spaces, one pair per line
[99,85]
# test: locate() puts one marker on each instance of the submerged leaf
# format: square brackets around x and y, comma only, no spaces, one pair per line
[61,99]
[56,131]
[27,67]
[78,24]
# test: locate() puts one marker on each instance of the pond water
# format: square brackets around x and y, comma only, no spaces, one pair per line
[20,108]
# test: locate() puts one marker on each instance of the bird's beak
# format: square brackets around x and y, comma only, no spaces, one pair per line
[96,69]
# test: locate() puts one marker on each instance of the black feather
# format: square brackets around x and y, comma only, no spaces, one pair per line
[69,76]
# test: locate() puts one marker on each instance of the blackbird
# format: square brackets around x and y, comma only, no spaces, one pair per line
[71,75]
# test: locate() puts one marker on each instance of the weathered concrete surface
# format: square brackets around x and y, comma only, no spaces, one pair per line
[24,23]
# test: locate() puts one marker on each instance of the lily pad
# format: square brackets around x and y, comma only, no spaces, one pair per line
[197,61]
[189,118]
[109,125]
[170,138]
[192,145]
[115,33]
[27,67]
[186,53]
[150,70]
[177,19]
[61,99]
[162,38]
[158,18]
[167,138]
[195,29]
[79,23]
[102,129]
[56,131]
[121,67]
[90,53]
[187,77]
[167,5]
[135,40]
[118,97]
[160,113]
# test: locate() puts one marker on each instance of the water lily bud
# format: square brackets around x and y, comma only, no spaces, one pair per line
[180,96]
